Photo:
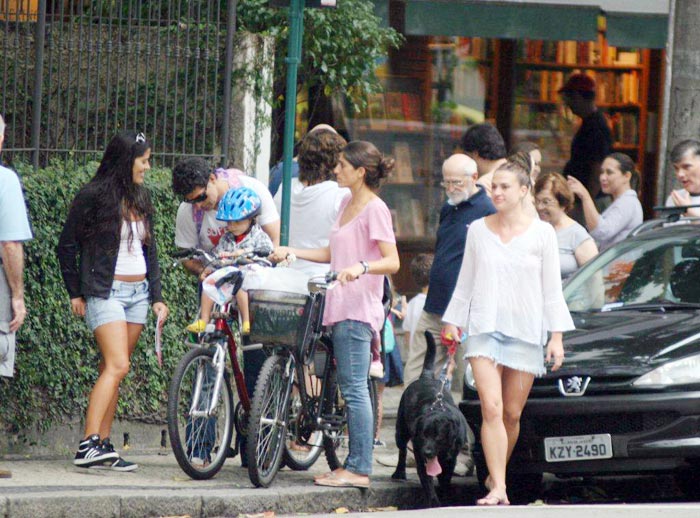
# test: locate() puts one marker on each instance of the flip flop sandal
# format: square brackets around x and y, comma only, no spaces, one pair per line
[324,475]
[334,480]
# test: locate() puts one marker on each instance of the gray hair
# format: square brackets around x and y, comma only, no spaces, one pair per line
[2,126]
[680,149]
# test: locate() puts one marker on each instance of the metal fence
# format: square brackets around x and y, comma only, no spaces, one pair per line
[74,72]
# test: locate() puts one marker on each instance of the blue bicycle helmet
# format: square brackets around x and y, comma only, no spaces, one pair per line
[238,204]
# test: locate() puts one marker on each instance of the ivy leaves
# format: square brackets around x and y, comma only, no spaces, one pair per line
[57,357]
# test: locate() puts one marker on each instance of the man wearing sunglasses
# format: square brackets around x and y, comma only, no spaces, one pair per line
[201,189]
[196,226]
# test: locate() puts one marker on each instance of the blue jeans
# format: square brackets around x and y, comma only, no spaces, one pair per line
[351,345]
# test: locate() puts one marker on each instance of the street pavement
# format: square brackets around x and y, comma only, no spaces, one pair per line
[55,488]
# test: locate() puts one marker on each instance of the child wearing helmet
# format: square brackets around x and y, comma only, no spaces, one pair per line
[238,208]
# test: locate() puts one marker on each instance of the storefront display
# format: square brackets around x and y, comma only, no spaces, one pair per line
[435,87]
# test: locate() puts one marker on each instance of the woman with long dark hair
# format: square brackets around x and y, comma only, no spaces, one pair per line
[107,252]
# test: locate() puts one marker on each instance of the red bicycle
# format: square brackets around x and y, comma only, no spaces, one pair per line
[201,413]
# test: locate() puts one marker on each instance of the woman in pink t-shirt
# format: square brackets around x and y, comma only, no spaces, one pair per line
[362,248]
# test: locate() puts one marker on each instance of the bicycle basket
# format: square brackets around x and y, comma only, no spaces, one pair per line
[276,317]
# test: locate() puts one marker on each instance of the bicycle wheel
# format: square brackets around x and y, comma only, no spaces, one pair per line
[335,441]
[267,425]
[304,443]
[200,442]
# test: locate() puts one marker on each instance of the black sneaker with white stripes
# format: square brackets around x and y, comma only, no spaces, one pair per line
[117,465]
[90,453]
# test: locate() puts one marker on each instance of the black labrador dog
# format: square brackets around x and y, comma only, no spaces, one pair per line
[429,417]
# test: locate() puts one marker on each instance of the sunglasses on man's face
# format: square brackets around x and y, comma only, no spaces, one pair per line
[197,199]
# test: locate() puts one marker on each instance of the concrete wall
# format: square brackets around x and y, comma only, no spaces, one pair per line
[251,109]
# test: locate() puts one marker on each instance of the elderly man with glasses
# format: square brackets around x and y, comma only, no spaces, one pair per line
[466,202]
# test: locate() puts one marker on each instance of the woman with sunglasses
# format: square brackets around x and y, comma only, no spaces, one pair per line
[108,257]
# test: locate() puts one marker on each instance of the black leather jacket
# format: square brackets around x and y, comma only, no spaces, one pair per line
[87,265]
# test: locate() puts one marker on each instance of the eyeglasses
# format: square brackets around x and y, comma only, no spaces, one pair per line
[545,202]
[197,199]
[452,183]
[140,138]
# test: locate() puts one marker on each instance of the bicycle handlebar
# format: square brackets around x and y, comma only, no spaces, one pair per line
[254,256]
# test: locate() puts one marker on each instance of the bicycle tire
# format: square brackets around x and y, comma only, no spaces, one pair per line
[298,460]
[267,426]
[335,444]
[200,444]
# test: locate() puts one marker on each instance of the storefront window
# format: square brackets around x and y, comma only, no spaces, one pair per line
[419,119]
[539,114]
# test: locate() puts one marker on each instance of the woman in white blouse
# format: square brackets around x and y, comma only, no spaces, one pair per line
[508,297]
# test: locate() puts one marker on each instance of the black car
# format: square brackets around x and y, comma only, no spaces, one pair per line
[627,399]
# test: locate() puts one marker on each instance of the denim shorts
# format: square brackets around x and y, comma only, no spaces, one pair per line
[509,352]
[127,301]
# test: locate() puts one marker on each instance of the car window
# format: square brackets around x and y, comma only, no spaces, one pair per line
[638,272]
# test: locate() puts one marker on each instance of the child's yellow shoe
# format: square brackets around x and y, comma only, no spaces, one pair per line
[198,326]
[246,328]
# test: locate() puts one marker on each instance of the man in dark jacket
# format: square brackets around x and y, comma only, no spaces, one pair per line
[466,202]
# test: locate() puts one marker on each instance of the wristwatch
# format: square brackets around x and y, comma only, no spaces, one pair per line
[365,267]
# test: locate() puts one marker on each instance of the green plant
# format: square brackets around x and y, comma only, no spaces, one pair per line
[340,48]
[57,356]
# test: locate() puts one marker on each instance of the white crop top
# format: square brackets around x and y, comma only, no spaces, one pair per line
[131,260]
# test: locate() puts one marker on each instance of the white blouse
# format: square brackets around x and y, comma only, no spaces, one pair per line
[513,288]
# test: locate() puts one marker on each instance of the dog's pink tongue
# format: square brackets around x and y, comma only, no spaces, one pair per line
[432,467]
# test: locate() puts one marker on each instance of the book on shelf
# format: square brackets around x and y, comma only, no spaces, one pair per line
[403,170]
[625,128]
[395,222]
[627,58]
[612,87]
[376,111]
[578,52]
[417,217]
[411,106]
[476,48]
[394,106]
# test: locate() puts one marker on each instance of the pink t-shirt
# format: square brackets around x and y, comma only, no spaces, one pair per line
[358,240]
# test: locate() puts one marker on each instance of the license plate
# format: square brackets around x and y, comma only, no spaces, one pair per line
[578,447]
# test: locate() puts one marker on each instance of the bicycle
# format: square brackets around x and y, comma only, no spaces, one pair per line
[201,414]
[301,361]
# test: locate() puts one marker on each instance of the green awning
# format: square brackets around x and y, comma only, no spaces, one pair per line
[637,30]
[630,23]
[501,20]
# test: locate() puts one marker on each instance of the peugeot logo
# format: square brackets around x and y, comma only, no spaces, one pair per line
[573,386]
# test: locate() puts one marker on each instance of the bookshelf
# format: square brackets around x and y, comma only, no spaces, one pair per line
[539,115]
[434,88]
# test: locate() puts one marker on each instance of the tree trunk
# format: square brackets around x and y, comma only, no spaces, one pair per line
[682,104]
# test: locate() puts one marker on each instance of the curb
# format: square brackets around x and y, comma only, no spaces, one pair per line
[135,503]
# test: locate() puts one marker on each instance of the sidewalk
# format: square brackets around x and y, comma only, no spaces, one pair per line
[55,488]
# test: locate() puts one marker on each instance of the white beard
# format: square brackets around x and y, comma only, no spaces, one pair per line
[457,198]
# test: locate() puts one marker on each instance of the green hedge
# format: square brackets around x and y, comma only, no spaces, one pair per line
[57,356]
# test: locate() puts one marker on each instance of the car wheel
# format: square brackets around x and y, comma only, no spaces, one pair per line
[524,488]
[688,481]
